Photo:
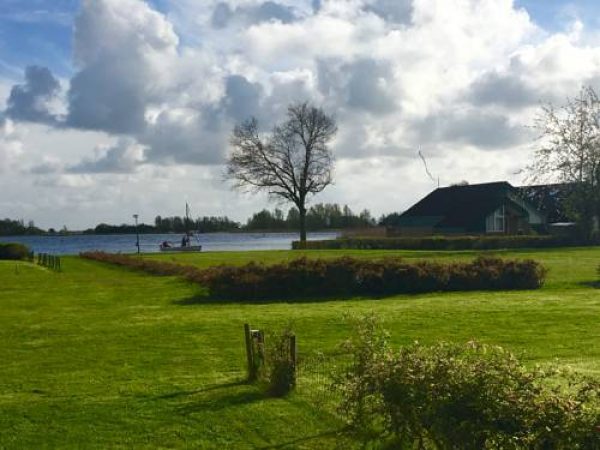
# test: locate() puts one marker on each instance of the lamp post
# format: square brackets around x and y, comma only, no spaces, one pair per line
[137,234]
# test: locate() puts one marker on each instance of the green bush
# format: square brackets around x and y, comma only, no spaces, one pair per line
[314,278]
[471,396]
[14,251]
[439,243]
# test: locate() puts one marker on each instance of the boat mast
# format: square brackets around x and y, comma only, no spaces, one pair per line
[187,219]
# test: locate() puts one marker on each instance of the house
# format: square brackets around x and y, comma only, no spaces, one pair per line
[489,208]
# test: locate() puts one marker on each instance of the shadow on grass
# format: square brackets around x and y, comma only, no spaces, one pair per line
[590,284]
[205,299]
[215,397]
[218,401]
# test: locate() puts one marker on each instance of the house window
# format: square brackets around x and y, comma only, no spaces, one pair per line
[495,221]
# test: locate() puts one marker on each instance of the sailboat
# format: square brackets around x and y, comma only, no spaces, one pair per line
[186,245]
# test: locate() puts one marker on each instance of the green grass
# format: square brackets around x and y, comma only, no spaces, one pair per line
[99,356]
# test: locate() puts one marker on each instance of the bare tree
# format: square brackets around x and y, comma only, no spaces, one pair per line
[291,163]
[570,153]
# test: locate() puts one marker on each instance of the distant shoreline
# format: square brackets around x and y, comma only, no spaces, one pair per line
[83,233]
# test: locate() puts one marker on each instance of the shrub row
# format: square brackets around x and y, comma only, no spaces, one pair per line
[471,396]
[349,276]
[302,277]
[150,266]
[439,243]
[14,251]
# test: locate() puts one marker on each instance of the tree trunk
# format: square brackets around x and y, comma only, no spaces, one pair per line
[302,211]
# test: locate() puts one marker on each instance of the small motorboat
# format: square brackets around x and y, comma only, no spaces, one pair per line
[186,245]
[179,248]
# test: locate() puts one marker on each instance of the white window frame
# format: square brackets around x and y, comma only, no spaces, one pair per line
[496,222]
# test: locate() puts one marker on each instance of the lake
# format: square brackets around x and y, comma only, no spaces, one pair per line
[113,243]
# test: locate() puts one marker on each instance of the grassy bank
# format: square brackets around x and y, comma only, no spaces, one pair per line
[98,356]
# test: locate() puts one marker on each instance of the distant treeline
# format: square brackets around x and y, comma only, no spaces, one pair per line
[319,217]
[9,227]
[105,228]
[322,216]
[206,224]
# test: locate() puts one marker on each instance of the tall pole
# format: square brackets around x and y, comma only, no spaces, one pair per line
[137,234]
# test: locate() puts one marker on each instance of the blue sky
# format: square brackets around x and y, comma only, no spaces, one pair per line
[553,14]
[36,32]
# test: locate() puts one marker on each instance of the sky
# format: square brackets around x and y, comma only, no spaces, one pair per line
[110,108]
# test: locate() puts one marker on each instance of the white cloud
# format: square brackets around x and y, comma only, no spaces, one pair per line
[123,50]
[124,157]
[11,146]
[225,15]
[31,100]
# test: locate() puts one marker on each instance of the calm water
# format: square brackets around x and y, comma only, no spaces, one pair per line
[70,245]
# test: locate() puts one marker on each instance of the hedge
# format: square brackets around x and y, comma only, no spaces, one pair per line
[14,251]
[318,278]
[439,243]
[302,278]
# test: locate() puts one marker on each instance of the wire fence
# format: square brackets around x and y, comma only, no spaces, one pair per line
[49,261]
[316,373]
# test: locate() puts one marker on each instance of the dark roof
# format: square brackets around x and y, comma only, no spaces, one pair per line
[457,206]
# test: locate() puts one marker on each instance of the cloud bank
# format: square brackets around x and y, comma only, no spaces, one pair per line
[457,78]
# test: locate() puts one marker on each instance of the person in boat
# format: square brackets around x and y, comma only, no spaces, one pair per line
[165,244]
[184,241]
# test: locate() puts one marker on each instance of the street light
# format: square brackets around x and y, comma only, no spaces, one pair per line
[137,234]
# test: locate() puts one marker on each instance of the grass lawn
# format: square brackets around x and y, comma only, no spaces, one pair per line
[99,356]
